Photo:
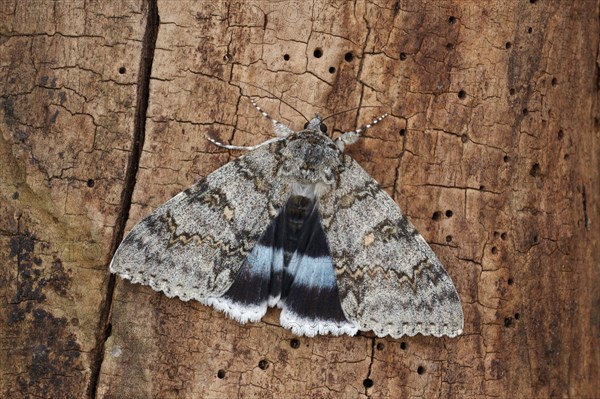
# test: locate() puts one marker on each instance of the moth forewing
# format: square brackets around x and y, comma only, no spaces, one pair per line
[298,225]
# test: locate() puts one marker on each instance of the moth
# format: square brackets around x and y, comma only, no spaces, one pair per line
[298,224]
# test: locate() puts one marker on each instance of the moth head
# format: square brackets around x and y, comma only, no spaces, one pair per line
[316,124]
[310,158]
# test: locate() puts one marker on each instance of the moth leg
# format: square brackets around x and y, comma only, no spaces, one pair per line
[281,130]
[246,148]
[353,136]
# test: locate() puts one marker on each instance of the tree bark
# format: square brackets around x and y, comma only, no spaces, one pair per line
[491,149]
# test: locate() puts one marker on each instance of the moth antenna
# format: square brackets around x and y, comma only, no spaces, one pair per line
[242,147]
[353,136]
[343,112]
[279,98]
[295,109]
[281,130]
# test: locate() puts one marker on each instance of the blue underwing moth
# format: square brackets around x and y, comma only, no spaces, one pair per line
[295,223]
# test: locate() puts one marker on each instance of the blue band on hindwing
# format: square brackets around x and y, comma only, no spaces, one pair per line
[291,265]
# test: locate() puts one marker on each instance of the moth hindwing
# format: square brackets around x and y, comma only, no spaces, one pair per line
[295,223]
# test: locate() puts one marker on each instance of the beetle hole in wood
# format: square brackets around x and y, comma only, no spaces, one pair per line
[221,374]
[263,364]
[368,383]
[349,57]
[437,215]
[318,53]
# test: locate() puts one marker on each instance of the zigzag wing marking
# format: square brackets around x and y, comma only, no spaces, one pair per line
[195,244]
[389,279]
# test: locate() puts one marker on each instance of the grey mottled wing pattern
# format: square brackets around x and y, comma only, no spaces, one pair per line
[389,279]
[194,245]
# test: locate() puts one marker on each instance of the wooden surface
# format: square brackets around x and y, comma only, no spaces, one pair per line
[491,149]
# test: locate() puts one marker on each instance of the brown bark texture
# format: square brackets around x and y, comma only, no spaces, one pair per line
[491,149]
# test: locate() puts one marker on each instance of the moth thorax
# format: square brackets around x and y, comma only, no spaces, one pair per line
[309,190]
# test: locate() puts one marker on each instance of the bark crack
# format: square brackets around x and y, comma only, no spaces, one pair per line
[586,220]
[139,133]
[368,382]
